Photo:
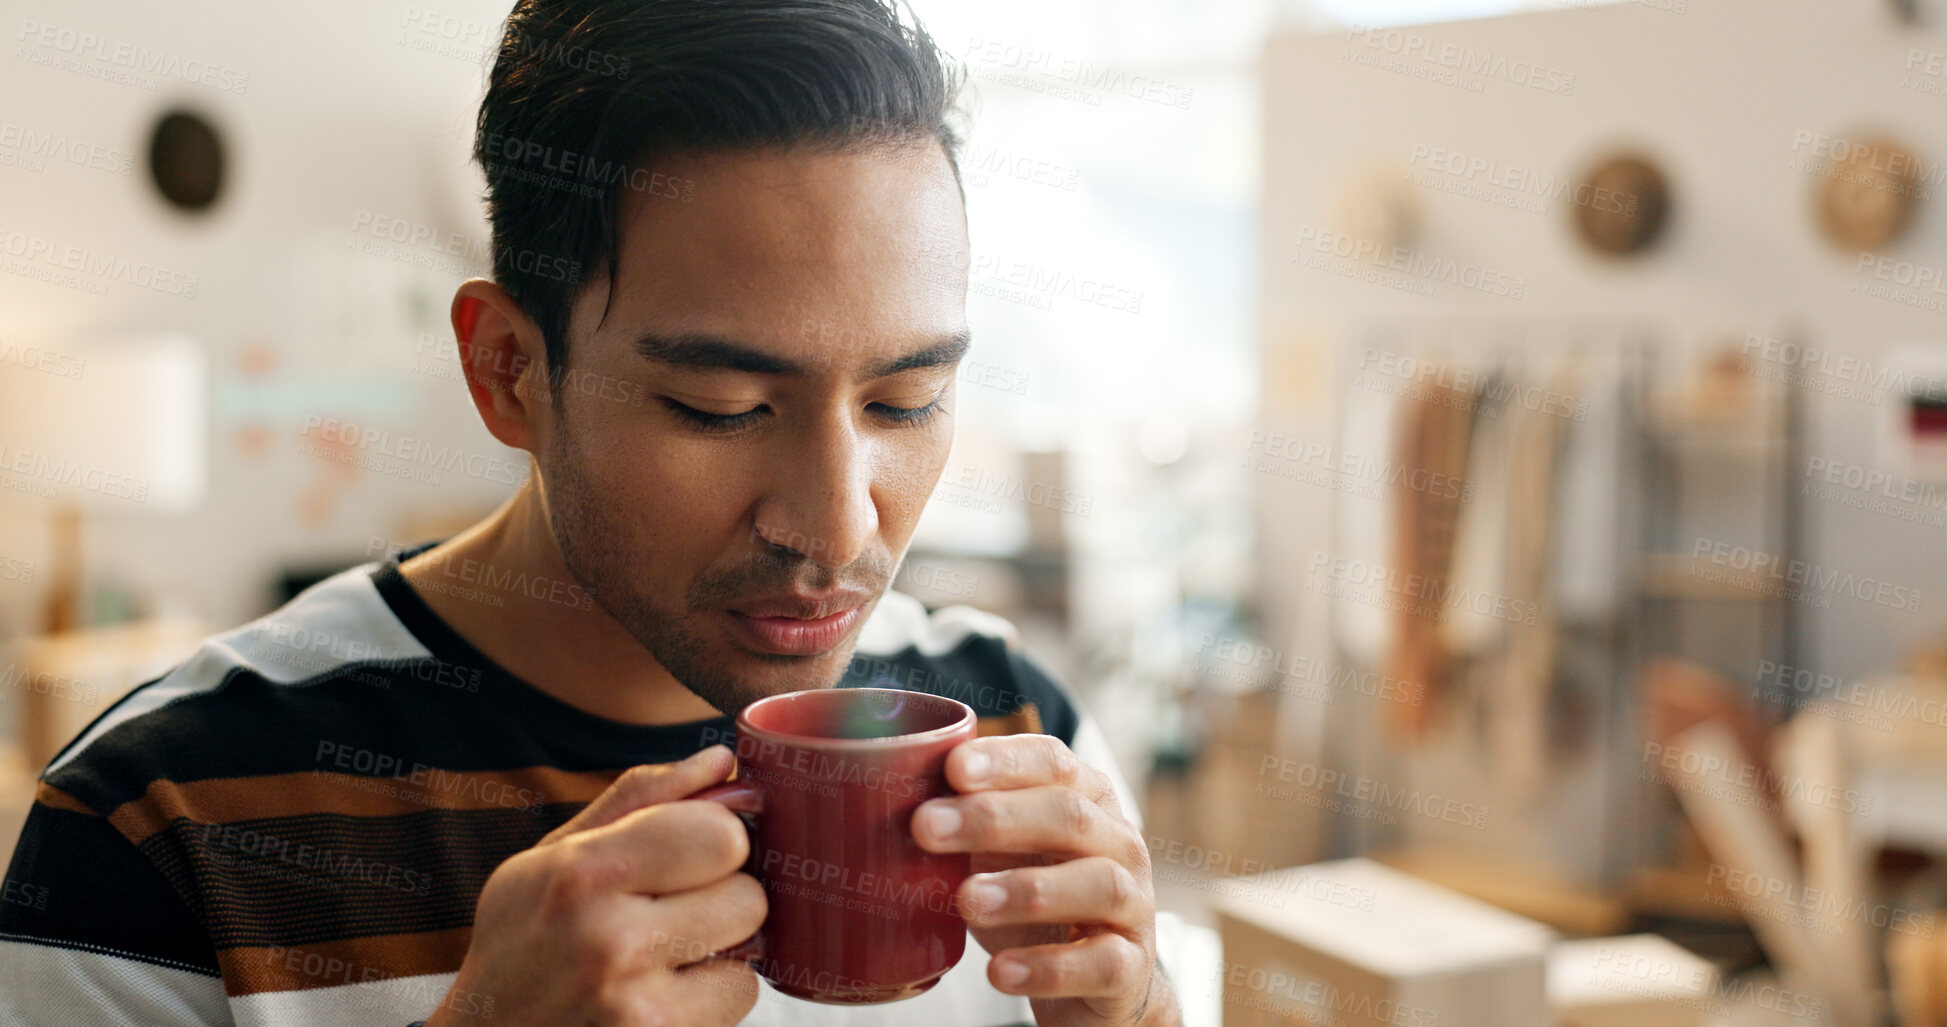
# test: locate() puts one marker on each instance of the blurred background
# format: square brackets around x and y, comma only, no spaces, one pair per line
[1484,463]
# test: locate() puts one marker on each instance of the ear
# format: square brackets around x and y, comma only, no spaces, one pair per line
[504,359]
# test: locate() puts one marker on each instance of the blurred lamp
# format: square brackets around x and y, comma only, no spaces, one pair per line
[111,427]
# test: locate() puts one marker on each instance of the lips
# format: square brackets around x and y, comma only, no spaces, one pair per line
[794,625]
[805,607]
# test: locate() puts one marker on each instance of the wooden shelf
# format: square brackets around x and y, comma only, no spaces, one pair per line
[1678,576]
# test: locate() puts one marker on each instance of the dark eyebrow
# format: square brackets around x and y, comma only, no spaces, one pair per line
[947,349]
[708,352]
[712,353]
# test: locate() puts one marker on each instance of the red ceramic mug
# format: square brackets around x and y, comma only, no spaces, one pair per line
[827,782]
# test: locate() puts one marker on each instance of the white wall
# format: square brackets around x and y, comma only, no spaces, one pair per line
[340,113]
[1719,93]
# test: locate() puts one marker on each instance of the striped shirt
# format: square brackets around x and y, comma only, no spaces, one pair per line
[291,827]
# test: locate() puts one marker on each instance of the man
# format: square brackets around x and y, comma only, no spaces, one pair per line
[450,786]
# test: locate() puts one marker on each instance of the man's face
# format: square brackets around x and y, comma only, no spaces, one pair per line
[744,442]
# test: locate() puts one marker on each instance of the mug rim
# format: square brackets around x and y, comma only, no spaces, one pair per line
[965,720]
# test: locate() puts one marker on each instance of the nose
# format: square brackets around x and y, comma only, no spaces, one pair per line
[820,505]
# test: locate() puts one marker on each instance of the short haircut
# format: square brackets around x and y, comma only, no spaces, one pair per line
[584,93]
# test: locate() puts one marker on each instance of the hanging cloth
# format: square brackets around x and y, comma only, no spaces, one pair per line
[1518,696]
[1435,428]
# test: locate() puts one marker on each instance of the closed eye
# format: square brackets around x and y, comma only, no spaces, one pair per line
[708,421]
[724,423]
[907,415]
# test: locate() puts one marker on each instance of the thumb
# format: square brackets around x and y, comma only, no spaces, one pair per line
[648,785]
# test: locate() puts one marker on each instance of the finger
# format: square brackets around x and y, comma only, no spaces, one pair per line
[1102,966]
[657,850]
[690,927]
[1026,821]
[1022,761]
[647,785]
[717,991]
[1094,889]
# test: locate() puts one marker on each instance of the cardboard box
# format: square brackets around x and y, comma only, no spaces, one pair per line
[1641,980]
[1356,943]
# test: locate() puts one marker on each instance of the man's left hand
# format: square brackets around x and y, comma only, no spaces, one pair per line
[1061,895]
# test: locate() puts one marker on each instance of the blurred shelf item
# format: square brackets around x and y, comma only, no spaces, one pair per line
[946,578]
[1215,801]
[1917,966]
[1835,961]
[1886,740]
[1684,577]
[1723,395]
[1704,435]
[1723,445]
[1689,891]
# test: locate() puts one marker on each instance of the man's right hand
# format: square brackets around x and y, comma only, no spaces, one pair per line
[612,917]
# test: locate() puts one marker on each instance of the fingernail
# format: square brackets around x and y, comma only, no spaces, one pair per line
[1010,974]
[988,897]
[942,820]
[975,766]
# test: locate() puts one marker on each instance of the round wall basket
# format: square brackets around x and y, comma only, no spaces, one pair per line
[1621,204]
[1866,197]
[186,161]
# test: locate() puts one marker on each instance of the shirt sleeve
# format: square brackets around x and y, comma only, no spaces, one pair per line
[1092,746]
[91,932]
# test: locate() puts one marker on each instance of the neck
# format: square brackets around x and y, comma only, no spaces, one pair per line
[562,642]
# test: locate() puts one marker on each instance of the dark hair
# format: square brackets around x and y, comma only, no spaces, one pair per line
[584,93]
